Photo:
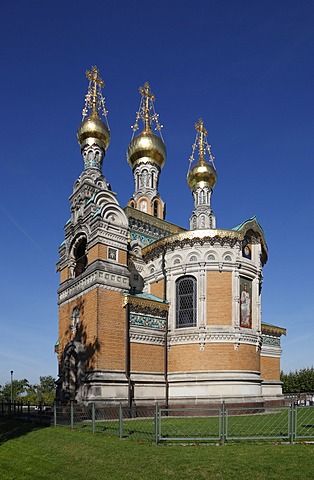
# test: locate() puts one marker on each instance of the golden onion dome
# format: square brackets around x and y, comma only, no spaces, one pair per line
[203,174]
[146,148]
[93,130]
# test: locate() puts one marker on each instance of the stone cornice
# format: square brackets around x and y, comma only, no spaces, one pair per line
[191,238]
[146,336]
[107,277]
[273,330]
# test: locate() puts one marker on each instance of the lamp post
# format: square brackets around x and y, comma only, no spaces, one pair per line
[11,386]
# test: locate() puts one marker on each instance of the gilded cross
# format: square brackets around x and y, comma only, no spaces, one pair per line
[201,139]
[147,94]
[96,81]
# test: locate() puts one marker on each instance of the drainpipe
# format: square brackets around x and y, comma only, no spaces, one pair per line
[127,353]
[166,333]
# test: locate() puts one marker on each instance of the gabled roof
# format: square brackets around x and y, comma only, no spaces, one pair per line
[253,224]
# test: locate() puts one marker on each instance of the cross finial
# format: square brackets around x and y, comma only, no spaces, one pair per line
[202,143]
[94,100]
[148,97]
[146,111]
[199,127]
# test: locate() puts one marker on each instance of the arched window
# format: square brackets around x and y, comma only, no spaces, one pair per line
[186,302]
[202,197]
[155,208]
[80,257]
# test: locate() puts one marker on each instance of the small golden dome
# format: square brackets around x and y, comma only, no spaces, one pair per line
[203,174]
[147,148]
[93,130]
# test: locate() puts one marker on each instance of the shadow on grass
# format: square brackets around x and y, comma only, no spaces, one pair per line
[10,428]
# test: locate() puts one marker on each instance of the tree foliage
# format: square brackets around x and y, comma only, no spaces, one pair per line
[23,391]
[300,381]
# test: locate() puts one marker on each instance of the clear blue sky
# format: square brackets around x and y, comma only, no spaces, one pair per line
[245,66]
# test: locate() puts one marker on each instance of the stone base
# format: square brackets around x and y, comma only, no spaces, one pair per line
[235,388]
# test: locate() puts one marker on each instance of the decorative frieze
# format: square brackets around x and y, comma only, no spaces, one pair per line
[272,341]
[148,321]
[145,306]
[192,238]
[205,337]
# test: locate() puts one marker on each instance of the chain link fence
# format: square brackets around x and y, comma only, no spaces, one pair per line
[221,424]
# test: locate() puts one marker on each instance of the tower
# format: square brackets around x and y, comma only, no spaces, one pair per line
[146,155]
[93,268]
[201,180]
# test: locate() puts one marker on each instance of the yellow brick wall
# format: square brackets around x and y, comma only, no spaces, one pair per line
[147,358]
[64,275]
[157,289]
[270,368]
[111,330]
[219,356]
[100,251]
[219,298]
[87,331]
[102,328]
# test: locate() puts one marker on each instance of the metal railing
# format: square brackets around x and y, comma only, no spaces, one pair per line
[221,424]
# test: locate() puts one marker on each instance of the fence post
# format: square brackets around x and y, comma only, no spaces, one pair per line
[72,415]
[292,422]
[120,420]
[223,420]
[93,417]
[28,411]
[156,424]
[55,414]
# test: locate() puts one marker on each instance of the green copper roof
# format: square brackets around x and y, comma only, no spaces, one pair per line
[241,225]
[90,200]
[145,296]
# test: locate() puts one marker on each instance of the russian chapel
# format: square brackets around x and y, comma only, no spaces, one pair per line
[150,311]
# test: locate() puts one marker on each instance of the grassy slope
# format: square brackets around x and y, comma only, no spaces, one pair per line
[29,452]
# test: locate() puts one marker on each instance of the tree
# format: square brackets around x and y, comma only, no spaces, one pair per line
[300,381]
[23,391]
[47,389]
[19,387]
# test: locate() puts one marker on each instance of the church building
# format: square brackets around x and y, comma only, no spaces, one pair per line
[150,311]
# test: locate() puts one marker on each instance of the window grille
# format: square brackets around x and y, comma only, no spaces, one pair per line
[186,302]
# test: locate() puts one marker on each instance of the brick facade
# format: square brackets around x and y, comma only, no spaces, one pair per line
[219,356]
[219,298]
[270,368]
[147,358]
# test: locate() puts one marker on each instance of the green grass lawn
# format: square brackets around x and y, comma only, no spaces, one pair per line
[32,452]
[275,425]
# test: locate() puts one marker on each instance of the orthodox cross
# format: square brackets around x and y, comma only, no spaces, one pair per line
[148,97]
[94,100]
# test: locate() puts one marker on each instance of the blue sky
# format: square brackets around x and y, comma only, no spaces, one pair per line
[245,66]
